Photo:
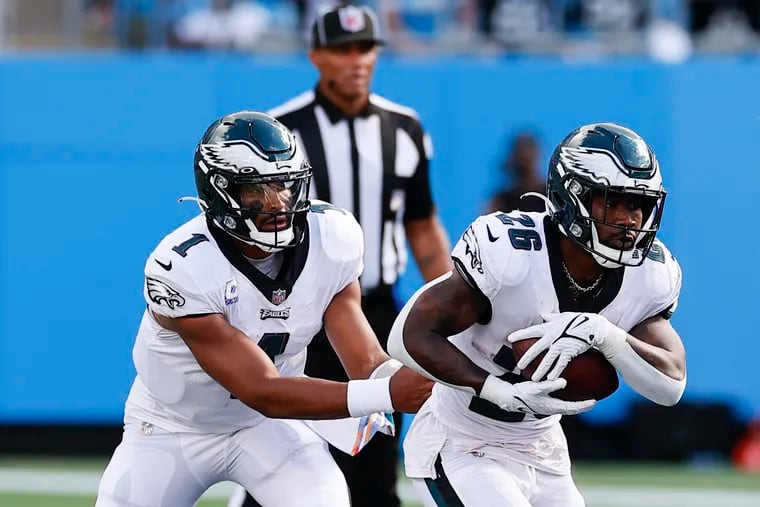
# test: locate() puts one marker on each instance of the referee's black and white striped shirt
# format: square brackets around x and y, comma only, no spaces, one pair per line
[374,165]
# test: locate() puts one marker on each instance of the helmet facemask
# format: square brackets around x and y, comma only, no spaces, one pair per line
[267,212]
[633,243]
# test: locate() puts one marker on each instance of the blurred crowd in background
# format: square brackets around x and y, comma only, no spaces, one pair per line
[669,30]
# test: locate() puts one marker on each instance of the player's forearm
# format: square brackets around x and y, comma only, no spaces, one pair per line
[442,361]
[311,398]
[298,398]
[428,352]
[665,361]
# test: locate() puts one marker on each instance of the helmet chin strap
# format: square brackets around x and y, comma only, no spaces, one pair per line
[279,239]
[606,263]
[268,248]
[263,246]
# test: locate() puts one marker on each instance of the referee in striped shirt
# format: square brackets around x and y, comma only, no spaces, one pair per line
[370,156]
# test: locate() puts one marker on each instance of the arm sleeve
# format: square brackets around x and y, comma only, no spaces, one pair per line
[419,197]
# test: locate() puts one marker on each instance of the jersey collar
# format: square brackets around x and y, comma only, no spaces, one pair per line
[593,302]
[275,290]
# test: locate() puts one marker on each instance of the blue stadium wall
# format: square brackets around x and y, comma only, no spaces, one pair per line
[95,150]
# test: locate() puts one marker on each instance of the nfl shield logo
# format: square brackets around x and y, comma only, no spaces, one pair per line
[278,296]
[351,19]
[231,293]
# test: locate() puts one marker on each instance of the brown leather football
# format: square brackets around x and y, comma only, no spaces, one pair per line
[589,376]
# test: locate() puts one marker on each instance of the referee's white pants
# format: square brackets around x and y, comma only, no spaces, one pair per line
[283,463]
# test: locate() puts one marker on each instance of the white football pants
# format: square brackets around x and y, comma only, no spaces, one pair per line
[283,463]
[470,479]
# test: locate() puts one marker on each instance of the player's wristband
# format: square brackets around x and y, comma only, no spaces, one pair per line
[365,397]
[495,391]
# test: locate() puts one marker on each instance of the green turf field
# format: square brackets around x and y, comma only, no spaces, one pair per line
[58,482]
[671,476]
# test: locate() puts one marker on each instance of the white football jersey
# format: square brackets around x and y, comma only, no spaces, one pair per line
[197,270]
[514,260]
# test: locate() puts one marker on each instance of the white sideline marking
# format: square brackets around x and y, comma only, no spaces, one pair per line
[85,482]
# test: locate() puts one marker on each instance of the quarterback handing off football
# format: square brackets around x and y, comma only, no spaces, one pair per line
[589,375]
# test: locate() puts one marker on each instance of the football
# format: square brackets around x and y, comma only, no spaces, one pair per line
[589,376]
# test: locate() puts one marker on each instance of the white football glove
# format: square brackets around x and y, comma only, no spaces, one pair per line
[531,397]
[564,336]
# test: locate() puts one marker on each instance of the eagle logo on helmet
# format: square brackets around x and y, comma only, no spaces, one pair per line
[231,155]
[597,165]
[162,294]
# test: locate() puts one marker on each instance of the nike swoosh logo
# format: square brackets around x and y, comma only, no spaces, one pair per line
[491,237]
[583,320]
[524,409]
[167,267]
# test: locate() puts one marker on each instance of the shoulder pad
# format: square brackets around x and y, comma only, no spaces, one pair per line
[340,234]
[487,257]
[523,233]
[185,266]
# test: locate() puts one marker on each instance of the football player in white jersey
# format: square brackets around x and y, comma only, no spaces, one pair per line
[233,298]
[587,273]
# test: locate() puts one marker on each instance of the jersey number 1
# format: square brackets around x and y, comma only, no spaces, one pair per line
[186,245]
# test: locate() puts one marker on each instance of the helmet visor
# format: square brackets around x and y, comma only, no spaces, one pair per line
[270,201]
